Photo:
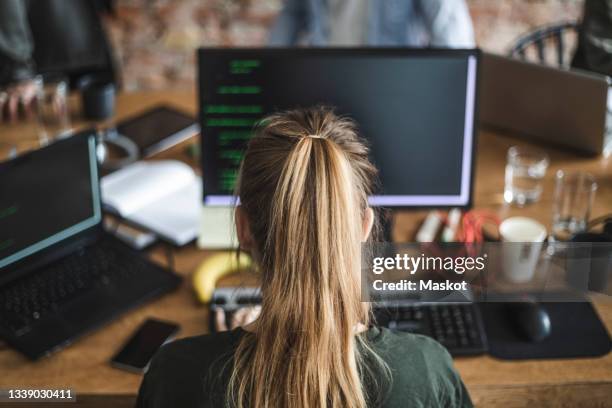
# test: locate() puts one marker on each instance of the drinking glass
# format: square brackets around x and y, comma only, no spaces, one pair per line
[573,199]
[525,169]
[52,107]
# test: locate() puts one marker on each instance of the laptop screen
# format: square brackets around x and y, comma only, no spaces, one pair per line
[47,196]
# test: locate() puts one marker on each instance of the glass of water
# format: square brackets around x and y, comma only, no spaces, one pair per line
[52,107]
[573,200]
[525,169]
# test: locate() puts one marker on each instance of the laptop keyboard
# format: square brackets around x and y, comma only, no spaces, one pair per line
[26,300]
[457,326]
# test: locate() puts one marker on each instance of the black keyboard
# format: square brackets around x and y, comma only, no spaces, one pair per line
[26,300]
[457,326]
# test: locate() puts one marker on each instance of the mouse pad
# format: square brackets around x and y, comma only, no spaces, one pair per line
[576,331]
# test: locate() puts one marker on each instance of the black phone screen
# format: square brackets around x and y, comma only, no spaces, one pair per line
[139,350]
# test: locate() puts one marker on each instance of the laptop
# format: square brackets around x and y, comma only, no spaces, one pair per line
[563,108]
[61,274]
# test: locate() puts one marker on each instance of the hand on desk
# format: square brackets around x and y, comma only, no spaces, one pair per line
[241,318]
[22,94]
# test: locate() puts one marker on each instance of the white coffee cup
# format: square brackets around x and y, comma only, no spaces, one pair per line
[522,239]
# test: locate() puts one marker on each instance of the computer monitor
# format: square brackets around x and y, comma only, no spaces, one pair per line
[416,108]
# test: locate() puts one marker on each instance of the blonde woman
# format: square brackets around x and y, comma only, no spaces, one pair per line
[303,214]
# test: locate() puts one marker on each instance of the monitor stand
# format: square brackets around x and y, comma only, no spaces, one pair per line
[217,228]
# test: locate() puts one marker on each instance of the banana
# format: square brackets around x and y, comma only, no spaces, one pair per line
[214,268]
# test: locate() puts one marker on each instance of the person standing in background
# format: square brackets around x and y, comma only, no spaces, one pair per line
[411,23]
[594,52]
[49,37]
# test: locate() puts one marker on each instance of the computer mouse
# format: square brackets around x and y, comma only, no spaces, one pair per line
[530,320]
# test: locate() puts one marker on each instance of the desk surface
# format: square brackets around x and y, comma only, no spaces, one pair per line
[577,382]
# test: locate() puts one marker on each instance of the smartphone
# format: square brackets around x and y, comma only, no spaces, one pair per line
[137,353]
[158,129]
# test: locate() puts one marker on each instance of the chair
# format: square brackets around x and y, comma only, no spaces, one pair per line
[542,38]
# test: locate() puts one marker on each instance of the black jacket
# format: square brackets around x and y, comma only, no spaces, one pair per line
[52,36]
[594,51]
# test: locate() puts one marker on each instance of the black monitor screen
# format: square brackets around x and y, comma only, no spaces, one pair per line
[415,108]
[48,196]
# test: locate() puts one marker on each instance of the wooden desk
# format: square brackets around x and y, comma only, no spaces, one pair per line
[571,383]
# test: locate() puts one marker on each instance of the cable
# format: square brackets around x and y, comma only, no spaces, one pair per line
[473,223]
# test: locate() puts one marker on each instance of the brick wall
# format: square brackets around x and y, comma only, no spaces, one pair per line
[155,39]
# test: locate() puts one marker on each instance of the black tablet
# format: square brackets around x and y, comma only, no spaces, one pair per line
[158,129]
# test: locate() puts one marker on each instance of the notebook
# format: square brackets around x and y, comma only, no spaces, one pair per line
[160,196]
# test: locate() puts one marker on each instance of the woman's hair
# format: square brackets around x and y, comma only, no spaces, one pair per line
[303,185]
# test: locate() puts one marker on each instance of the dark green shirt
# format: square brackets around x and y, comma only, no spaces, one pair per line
[193,372]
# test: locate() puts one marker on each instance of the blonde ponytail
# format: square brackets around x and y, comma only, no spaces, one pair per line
[304,185]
